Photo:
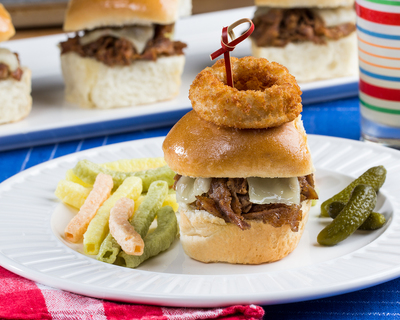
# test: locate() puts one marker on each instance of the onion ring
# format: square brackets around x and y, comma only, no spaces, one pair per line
[265,94]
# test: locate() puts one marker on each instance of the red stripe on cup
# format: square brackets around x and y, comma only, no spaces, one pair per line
[379,92]
[387,18]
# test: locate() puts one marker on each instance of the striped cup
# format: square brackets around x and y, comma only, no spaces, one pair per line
[378,31]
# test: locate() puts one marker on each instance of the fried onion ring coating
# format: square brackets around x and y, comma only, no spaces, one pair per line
[265,94]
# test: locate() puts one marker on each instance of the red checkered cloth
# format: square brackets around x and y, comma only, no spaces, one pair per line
[21,298]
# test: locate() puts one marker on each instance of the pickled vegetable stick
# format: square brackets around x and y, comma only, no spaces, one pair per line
[156,242]
[374,177]
[100,192]
[98,226]
[141,221]
[87,171]
[131,165]
[70,176]
[72,193]
[122,231]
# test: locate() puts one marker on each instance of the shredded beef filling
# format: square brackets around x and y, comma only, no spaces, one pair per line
[6,73]
[113,51]
[278,27]
[228,199]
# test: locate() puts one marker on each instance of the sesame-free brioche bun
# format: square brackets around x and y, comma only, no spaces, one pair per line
[304,3]
[198,148]
[6,27]
[309,61]
[15,98]
[207,238]
[93,84]
[90,14]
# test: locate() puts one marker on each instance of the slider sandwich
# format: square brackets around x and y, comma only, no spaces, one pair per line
[314,39]
[15,81]
[122,53]
[244,193]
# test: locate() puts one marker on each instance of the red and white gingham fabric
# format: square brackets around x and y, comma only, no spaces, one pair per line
[21,298]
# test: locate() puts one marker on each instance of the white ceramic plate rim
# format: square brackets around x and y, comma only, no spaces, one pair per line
[379,260]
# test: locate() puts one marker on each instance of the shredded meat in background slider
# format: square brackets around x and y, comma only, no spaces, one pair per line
[3,71]
[228,199]
[278,27]
[6,73]
[113,51]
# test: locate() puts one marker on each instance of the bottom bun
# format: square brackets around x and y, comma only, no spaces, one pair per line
[207,238]
[92,84]
[15,98]
[308,61]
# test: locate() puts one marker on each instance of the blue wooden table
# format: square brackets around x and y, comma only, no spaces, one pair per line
[338,118]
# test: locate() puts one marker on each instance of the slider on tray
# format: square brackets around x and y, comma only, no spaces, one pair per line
[244,193]
[15,81]
[314,39]
[122,53]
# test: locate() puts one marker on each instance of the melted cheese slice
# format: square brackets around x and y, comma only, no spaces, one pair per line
[188,188]
[274,190]
[137,35]
[261,190]
[9,58]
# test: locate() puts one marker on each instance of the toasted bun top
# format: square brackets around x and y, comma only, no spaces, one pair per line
[198,148]
[304,3]
[90,14]
[6,27]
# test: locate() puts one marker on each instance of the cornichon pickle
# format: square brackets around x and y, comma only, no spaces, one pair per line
[335,208]
[374,177]
[356,211]
[374,221]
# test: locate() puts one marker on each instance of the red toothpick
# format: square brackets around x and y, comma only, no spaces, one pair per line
[226,46]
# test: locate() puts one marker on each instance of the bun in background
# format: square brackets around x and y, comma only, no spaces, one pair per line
[6,27]
[15,98]
[93,84]
[91,14]
[304,3]
[308,61]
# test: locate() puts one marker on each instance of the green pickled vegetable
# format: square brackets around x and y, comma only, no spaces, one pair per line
[156,242]
[359,207]
[374,177]
[87,171]
[141,221]
[374,221]
[335,208]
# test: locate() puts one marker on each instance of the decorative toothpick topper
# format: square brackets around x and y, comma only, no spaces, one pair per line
[226,46]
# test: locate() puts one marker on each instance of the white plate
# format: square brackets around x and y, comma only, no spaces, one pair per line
[53,120]
[32,221]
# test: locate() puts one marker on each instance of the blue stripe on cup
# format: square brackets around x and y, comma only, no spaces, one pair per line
[379,76]
[378,35]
